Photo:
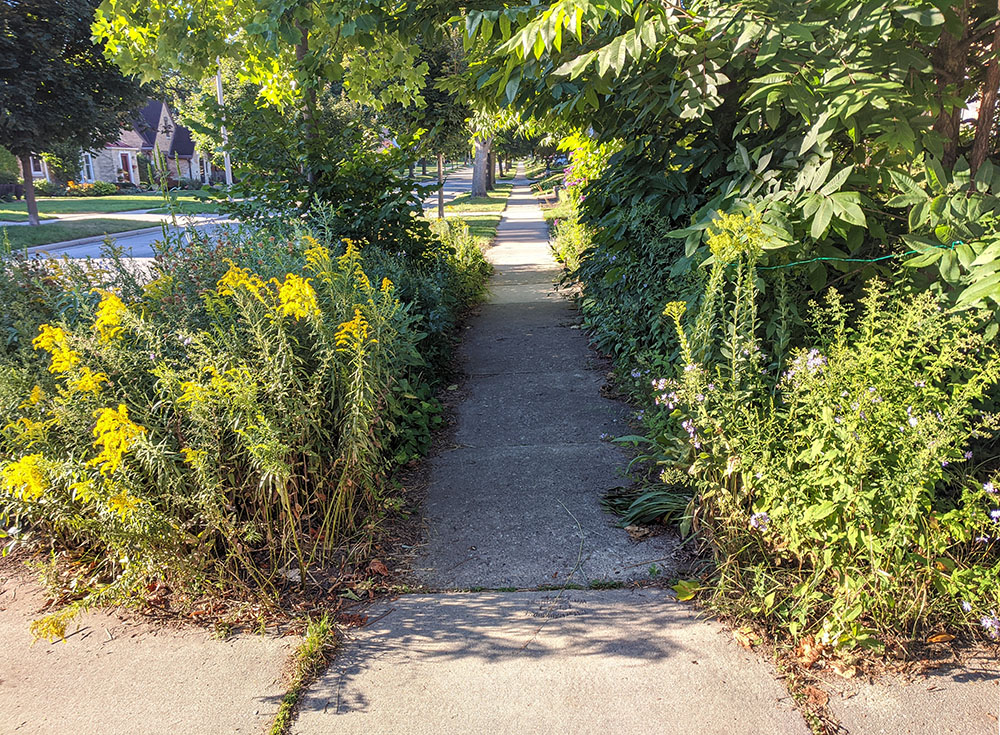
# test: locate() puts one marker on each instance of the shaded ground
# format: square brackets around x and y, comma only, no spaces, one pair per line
[597,662]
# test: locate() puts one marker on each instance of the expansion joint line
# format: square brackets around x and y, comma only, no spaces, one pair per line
[552,606]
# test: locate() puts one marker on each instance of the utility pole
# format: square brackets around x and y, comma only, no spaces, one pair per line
[225,135]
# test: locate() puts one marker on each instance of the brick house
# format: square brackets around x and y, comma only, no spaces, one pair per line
[154,129]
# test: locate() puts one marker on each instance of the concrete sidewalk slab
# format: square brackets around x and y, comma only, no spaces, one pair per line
[959,700]
[525,517]
[518,505]
[582,662]
[538,408]
[117,677]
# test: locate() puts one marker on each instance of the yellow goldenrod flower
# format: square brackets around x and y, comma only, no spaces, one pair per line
[123,504]
[159,288]
[236,278]
[84,490]
[110,314]
[25,478]
[674,310]
[297,297]
[88,381]
[49,338]
[192,456]
[733,235]
[386,285]
[114,435]
[353,333]
[193,393]
[36,396]
[54,341]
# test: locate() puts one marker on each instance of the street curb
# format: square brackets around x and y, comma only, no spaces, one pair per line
[66,244]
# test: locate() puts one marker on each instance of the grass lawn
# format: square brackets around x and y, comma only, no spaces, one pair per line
[29,237]
[196,207]
[18,216]
[495,201]
[483,226]
[85,205]
[535,170]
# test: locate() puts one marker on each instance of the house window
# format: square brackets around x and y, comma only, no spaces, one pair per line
[37,168]
[87,174]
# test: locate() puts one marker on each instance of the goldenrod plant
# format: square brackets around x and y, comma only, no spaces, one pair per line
[230,417]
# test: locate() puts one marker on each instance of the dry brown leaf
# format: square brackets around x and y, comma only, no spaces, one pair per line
[378,567]
[638,533]
[844,669]
[816,696]
[941,638]
[745,636]
[808,651]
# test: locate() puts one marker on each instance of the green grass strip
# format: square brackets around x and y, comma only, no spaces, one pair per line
[92,205]
[494,201]
[27,236]
[311,659]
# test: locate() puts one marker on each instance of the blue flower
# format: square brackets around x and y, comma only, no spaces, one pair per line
[991,623]
[759,521]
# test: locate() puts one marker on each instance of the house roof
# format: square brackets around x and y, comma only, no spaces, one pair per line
[146,127]
[181,144]
[148,121]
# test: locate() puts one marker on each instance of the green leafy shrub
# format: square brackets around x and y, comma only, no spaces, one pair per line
[834,483]
[95,189]
[45,188]
[231,415]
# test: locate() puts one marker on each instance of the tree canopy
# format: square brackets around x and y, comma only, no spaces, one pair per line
[840,121]
[58,89]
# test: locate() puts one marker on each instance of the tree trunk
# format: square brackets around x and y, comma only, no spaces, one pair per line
[29,189]
[949,59]
[440,186]
[987,105]
[412,169]
[423,166]
[491,164]
[480,167]
[308,102]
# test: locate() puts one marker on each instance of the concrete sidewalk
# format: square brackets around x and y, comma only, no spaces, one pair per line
[517,504]
[581,662]
[113,676]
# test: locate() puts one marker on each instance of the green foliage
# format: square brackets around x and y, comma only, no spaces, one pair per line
[232,414]
[95,189]
[287,50]
[63,162]
[833,482]
[815,115]
[45,188]
[10,170]
[58,88]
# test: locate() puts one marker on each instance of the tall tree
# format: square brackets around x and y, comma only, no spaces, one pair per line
[57,88]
